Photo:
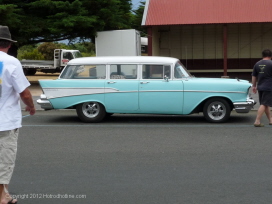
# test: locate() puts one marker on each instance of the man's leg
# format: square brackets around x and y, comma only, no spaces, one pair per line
[1,192]
[8,155]
[5,196]
[268,114]
[260,112]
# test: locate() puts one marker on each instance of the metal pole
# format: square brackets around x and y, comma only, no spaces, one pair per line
[225,49]
[149,41]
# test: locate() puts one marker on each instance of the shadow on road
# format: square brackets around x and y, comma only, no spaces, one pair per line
[70,117]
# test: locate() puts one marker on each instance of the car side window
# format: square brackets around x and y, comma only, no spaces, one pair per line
[156,71]
[123,71]
[84,72]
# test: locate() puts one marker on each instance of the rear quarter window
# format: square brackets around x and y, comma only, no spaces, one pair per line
[84,72]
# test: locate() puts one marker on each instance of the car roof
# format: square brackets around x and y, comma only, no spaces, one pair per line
[123,60]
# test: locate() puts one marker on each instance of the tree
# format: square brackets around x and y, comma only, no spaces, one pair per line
[47,49]
[87,49]
[33,55]
[137,19]
[34,21]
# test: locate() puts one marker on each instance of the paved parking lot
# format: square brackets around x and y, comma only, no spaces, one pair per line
[147,159]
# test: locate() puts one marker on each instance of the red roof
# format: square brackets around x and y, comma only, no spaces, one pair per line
[180,12]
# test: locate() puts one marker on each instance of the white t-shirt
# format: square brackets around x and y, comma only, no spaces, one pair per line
[12,82]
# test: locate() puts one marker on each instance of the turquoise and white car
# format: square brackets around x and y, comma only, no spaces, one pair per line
[101,86]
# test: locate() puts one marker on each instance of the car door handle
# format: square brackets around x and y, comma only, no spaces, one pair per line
[144,82]
[111,82]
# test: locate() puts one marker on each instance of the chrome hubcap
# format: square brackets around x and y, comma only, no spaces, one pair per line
[90,110]
[216,110]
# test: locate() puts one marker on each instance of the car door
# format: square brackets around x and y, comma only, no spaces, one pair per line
[158,92]
[121,89]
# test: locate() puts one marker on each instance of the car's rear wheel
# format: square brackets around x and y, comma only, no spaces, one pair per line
[216,110]
[91,112]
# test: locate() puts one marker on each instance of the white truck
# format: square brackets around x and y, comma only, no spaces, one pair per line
[61,58]
[118,43]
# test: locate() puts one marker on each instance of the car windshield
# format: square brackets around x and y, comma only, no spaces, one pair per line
[77,54]
[181,71]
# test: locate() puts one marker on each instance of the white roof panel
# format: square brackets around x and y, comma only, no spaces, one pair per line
[123,60]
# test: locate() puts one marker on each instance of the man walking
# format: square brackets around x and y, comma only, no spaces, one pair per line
[262,72]
[13,86]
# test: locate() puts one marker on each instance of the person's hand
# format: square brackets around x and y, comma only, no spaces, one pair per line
[254,89]
[31,110]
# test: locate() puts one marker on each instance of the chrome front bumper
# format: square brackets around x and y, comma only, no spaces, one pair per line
[244,107]
[44,102]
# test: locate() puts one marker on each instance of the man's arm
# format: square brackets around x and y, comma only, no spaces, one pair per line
[28,101]
[254,84]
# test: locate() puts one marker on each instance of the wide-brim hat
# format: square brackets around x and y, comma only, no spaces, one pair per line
[5,34]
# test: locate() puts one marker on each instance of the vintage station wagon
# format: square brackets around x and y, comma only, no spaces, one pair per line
[101,86]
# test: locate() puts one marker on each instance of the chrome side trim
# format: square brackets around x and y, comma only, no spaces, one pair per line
[215,91]
[65,92]
[97,88]
[90,94]
[193,91]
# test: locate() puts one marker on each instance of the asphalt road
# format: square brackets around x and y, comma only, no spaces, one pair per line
[130,159]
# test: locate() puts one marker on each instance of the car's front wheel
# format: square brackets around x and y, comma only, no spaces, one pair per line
[91,112]
[216,110]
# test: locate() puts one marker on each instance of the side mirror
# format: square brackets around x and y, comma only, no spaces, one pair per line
[166,78]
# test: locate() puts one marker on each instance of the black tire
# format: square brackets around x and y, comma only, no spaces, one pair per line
[109,114]
[31,72]
[91,112]
[216,110]
[25,71]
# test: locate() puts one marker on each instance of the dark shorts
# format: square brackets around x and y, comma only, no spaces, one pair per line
[265,98]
